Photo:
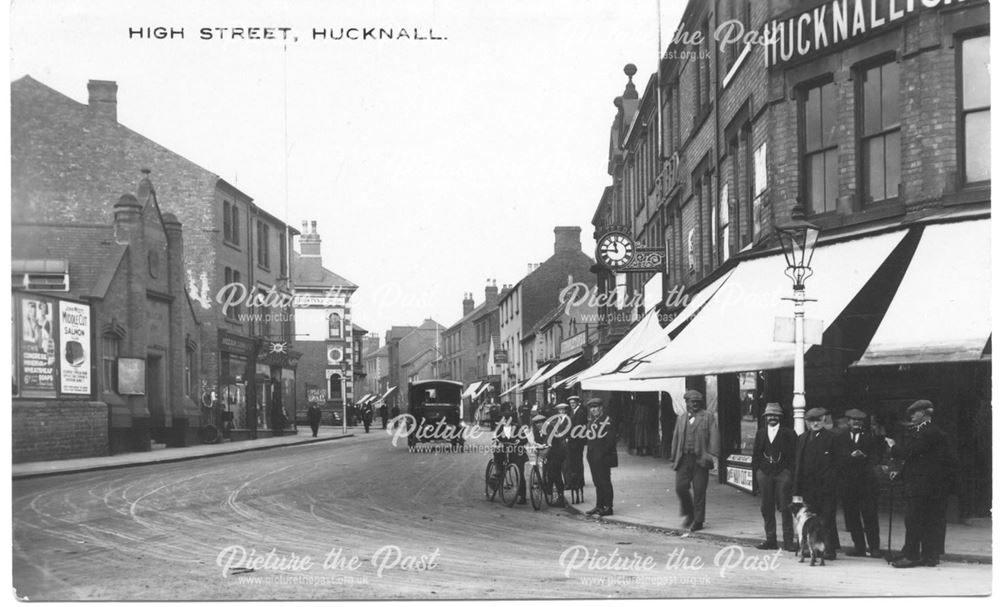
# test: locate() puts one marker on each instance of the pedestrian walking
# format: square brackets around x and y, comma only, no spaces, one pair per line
[575,445]
[773,460]
[313,415]
[929,470]
[859,486]
[383,412]
[602,456]
[366,417]
[818,460]
[694,446]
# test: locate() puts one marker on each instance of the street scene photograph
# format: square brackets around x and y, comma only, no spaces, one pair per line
[525,300]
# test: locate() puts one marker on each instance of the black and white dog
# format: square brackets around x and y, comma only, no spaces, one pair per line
[810,533]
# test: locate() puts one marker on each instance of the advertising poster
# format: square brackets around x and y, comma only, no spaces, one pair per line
[74,347]
[38,355]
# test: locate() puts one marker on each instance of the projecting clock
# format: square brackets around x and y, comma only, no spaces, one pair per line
[615,250]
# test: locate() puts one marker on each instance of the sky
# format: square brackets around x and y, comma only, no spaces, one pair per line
[430,166]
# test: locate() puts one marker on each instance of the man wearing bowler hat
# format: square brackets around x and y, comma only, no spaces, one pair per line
[773,459]
[928,474]
[860,487]
[817,470]
[602,456]
[695,443]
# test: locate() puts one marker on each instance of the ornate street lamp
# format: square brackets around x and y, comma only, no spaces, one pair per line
[798,241]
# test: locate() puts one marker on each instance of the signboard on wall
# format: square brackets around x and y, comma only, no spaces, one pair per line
[74,347]
[37,361]
[132,376]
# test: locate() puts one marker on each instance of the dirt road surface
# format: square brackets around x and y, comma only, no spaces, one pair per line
[417,526]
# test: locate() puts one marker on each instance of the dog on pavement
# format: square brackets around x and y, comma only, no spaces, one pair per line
[810,533]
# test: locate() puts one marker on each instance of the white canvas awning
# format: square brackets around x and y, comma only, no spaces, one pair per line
[535,378]
[471,390]
[511,389]
[557,368]
[735,330]
[623,361]
[566,382]
[941,311]
[483,388]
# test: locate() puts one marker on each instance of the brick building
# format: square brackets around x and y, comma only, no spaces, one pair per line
[67,156]
[524,304]
[465,347]
[106,344]
[871,116]
[325,334]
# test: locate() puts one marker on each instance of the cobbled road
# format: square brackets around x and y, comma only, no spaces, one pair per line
[377,521]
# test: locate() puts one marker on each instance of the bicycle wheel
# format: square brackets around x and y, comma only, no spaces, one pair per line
[535,489]
[491,480]
[510,484]
[548,487]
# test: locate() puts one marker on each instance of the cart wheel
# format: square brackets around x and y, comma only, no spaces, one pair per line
[491,480]
[510,484]
[536,489]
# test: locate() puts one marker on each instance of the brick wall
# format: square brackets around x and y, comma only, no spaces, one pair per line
[58,429]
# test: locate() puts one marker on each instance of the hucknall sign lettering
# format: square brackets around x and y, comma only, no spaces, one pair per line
[835,22]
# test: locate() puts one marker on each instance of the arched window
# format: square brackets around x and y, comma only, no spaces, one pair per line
[334,393]
[336,327]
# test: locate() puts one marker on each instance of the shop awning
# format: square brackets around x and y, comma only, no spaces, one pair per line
[735,330]
[566,382]
[623,361]
[388,393]
[941,311]
[511,389]
[558,367]
[535,379]
[471,389]
[364,399]
[483,388]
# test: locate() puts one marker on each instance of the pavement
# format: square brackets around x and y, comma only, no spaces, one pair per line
[645,497]
[174,454]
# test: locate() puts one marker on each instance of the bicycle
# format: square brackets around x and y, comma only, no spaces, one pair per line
[540,486]
[506,483]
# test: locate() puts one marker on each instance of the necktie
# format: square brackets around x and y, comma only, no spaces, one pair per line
[854,437]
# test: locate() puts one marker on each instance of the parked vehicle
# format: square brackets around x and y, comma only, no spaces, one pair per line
[436,403]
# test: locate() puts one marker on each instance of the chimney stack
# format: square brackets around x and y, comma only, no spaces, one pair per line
[103,98]
[567,239]
[468,304]
[504,290]
[492,294]
[309,242]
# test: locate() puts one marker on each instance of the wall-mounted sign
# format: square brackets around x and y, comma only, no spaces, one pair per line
[500,357]
[74,347]
[132,376]
[832,23]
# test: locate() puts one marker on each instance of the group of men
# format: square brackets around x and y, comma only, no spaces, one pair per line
[587,428]
[821,467]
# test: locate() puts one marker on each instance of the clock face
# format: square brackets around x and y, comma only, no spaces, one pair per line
[615,250]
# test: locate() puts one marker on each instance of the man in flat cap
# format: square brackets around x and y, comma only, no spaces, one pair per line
[602,456]
[773,460]
[818,460]
[928,474]
[859,494]
[576,442]
[693,449]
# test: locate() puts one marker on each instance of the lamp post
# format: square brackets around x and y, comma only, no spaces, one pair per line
[345,367]
[798,241]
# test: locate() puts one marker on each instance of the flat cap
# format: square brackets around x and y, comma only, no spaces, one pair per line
[538,418]
[562,407]
[595,402]
[920,405]
[574,397]
[856,414]
[816,413]
[773,409]
[694,395]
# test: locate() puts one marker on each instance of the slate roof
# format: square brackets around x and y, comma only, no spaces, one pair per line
[307,273]
[91,250]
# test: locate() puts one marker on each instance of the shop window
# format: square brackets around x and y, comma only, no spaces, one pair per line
[818,124]
[974,57]
[879,129]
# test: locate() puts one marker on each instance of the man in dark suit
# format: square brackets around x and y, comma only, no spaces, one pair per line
[773,460]
[928,474]
[575,443]
[602,456]
[817,470]
[314,414]
[693,450]
[860,487]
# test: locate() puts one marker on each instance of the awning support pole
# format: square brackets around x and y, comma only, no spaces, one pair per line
[799,397]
